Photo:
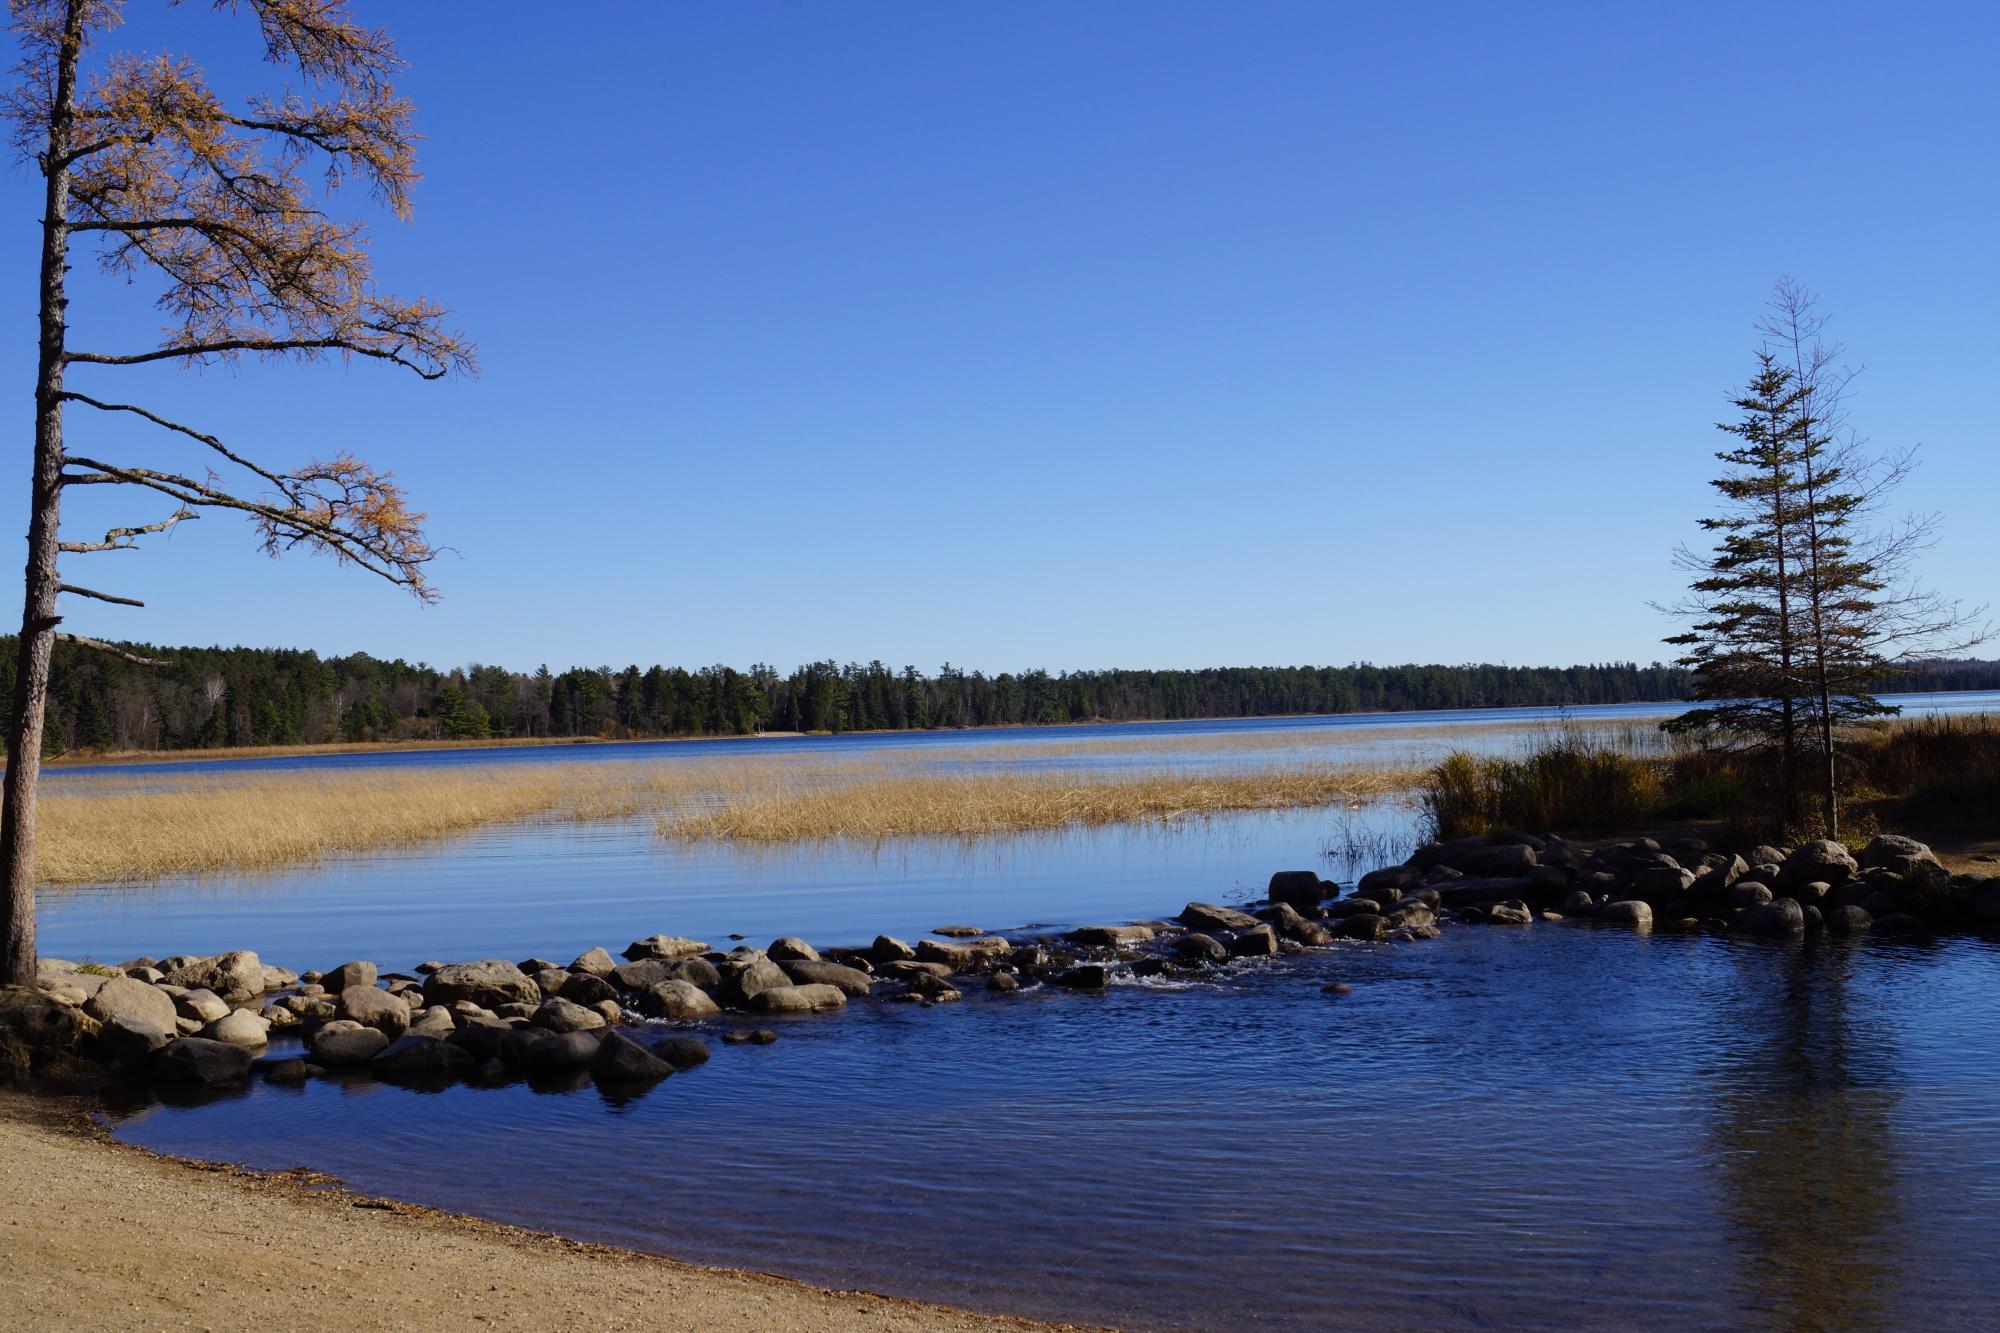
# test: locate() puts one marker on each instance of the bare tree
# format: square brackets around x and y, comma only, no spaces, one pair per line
[219,205]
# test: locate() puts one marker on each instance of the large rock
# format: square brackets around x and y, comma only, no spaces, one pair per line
[849,981]
[1207,916]
[198,1062]
[1111,937]
[664,947]
[587,988]
[129,1039]
[43,1025]
[415,1056]
[1257,942]
[745,982]
[797,999]
[1820,860]
[619,1059]
[1363,926]
[1199,947]
[560,1015]
[1303,889]
[889,949]
[1848,920]
[964,955]
[1783,916]
[594,962]
[1498,861]
[1514,913]
[1629,912]
[358,973]
[559,1053]
[677,1001]
[1748,895]
[1393,878]
[344,1043]
[240,1027]
[791,949]
[133,999]
[1896,854]
[638,976]
[233,976]
[681,1052]
[376,1008]
[488,983]
[203,1006]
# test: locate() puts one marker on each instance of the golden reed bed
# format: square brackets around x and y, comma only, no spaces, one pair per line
[108,829]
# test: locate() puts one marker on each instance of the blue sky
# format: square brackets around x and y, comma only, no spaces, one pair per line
[1091,334]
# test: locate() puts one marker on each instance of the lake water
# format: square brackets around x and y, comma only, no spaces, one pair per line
[1549,1127]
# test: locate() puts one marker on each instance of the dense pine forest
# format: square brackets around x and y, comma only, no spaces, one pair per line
[220,697]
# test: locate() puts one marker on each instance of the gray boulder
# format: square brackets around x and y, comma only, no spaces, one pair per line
[1848,920]
[1511,913]
[677,1001]
[234,976]
[1199,947]
[1822,859]
[594,962]
[1111,937]
[240,1027]
[560,1015]
[488,983]
[129,1039]
[1207,916]
[376,1008]
[889,949]
[1303,889]
[135,999]
[344,1043]
[1257,942]
[791,949]
[204,1006]
[1629,912]
[664,947]
[589,989]
[619,1059]
[194,1061]
[638,976]
[1780,917]
[1748,895]
[745,982]
[1896,854]
[414,1056]
[560,1053]
[849,981]
[358,973]
[797,999]
[682,1052]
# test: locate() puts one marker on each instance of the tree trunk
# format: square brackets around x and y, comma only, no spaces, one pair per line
[38,614]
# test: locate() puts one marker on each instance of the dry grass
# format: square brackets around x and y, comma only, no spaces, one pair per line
[124,830]
[791,808]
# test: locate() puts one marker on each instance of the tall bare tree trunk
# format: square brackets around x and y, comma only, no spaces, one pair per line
[38,614]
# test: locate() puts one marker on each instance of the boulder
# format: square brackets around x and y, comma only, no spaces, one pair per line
[375,1008]
[1513,913]
[889,949]
[1096,976]
[1780,917]
[791,949]
[1363,926]
[1110,937]
[1579,903]
[197,1062]
[488,983]
[619,1059]
[797,999]
[1896,854]
[560,1015]
[1303,889]
[749,1036]
[1397,878]
[849,981]
[344,1043]
[435,1021]
[928,986]
[695,971]
[593,962]
[204,1006]
[677,1001]
[415,1056]
[1498,861]
[348,974]
[1748,895]
[590,989]
[129,1038]
[287,1071]
[664,947]
[1257,942]
[43,1025]
[559,1053]
[240,1027]
[1207,916]
[745,982]
[960,932]
[638,976]
[234,976]
[1199,947]
[135,999]
[1822,859]
[682,1052]
[1848,920]
[1003,981]
[1629,912]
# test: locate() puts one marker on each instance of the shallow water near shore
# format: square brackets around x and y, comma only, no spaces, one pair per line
[1551,1126]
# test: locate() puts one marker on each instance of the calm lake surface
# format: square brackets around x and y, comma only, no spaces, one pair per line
[1544,1127]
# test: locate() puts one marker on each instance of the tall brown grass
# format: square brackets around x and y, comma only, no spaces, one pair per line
[970,805]
[1567,783]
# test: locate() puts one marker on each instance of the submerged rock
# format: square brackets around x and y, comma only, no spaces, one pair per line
[619,1059]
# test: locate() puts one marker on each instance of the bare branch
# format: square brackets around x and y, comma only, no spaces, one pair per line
[99,645]
[120,539]
[176,427]
[262,347]
[99,596]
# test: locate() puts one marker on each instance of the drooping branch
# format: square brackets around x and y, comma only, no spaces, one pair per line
[175,426]
[120,539]
[341,507]
[98,645]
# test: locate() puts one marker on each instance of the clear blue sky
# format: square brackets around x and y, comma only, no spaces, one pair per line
[1075,334]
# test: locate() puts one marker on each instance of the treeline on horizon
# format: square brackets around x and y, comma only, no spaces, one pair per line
[216,698]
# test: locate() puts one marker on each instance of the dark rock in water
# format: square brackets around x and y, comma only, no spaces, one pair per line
[1336,988]
[1782,916]
[958,932]
[1848,920]
[1200,948]
[1412,916]
[490,983]
[1501,861]
[1110,937]
[1397,878]
[416,1057]
[808,999]
[1207,916]
[129,1039]
[1364,926]
[1514,913]
[375,1008]
[1087,976]
[1823,860]
[561,1053]
[1656,883]
[638,976]
[696,972]
[1815,922]
[844,979]
[588,988]
[1028,957]
[682,1052]
[236,976]
[289,1071]
[344,1043]
[1899,923]
[619,1059]
[750,1036]
[791,949]
[1003,981]
[1898,855]
[482,1043]
[1301,888]
[195,1061]
[677,1001]
[929,986]
[1630,912]
[348,974]
[743,983]
[528,966]
[889,949]
[667,948]
[1260,942]
[1579,903]
[1748,894]
[560,1015]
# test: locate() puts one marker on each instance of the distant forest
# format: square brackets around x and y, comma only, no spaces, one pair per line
[219,697]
